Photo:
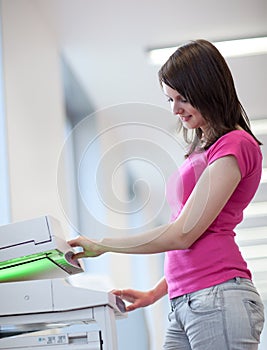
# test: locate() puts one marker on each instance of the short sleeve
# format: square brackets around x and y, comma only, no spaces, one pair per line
[242,146]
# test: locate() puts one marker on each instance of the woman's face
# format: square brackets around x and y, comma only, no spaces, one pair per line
[189,116]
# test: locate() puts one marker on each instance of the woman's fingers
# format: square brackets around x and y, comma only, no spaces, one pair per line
[78,255]
[76,242]
[90,249]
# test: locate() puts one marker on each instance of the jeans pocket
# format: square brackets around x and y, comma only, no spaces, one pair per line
[255,312]
[170,316]
[205,302]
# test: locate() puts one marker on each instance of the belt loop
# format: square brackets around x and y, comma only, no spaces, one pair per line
[237,280]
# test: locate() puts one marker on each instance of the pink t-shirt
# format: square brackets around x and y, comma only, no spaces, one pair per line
[214,257]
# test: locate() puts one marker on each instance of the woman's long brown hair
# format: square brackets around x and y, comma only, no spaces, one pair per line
[199,73]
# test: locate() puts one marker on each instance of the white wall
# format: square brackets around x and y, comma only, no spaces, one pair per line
[35,119]
[34,110]
[4,181]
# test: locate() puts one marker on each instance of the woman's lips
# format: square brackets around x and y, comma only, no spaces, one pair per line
[185,118]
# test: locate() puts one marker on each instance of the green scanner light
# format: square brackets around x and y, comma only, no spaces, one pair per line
[32,266]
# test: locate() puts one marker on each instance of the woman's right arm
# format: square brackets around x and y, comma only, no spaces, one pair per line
[139,299]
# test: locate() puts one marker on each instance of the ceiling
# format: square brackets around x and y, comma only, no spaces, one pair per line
[105,42]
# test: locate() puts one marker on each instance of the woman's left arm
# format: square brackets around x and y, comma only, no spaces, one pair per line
[212,191]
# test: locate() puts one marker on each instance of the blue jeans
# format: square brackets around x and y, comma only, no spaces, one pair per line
[228,316]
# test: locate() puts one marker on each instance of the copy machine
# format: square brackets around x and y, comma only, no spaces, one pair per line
[40,309]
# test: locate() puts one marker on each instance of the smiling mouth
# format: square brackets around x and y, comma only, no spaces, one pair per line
[185,118]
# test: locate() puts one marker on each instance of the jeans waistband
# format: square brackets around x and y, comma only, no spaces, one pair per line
[236,280]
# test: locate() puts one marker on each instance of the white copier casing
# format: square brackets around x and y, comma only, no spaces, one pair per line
[51,313]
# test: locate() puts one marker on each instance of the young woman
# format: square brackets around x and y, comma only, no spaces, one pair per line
[214,304]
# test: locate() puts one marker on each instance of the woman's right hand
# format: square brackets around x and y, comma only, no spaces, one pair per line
[135,297]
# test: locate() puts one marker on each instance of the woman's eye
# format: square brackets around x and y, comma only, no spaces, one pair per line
[181,99]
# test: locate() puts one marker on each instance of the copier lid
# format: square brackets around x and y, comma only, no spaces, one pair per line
[35,249]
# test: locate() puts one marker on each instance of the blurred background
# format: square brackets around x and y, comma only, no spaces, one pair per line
[86,135]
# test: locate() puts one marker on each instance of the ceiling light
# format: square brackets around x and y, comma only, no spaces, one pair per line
[228,48]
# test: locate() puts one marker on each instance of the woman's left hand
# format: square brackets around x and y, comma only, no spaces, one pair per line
[90,248]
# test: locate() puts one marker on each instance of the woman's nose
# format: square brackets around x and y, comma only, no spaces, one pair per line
[177,109]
